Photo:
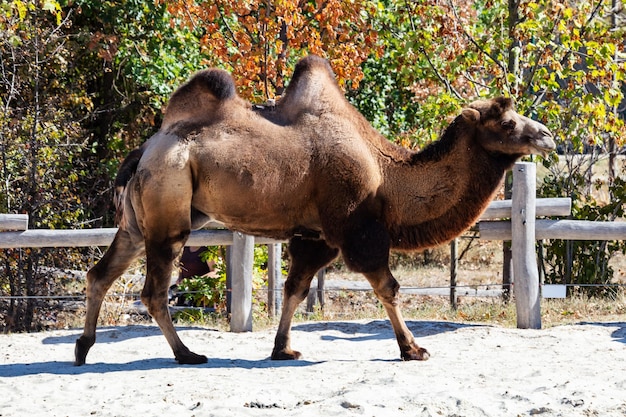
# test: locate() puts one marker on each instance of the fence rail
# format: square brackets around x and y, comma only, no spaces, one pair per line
[74,238]
[557,229]
[523,229]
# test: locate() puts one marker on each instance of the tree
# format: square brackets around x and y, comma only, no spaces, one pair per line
[39,140]
[80,85]
[259,41]
[557,59]
[562,61]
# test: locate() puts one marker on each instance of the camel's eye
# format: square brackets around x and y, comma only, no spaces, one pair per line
[508,124]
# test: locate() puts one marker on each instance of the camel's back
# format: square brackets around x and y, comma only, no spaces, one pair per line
[266,172]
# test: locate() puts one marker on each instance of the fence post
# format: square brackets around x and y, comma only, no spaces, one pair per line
[525,274]
[242,258]
[453,271]
[507,260]
[274,278]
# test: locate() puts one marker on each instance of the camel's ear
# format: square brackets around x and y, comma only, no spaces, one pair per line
[471,115]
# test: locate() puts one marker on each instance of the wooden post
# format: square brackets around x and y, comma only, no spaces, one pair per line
[317,294]
[453,271]
[274,278]
[321,275]
[311,298]
[242,258]
[507,259]
[229,279]
[526,277]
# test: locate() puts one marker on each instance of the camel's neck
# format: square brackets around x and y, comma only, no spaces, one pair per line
[439,192]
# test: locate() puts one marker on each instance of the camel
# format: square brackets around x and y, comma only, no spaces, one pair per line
[310,170]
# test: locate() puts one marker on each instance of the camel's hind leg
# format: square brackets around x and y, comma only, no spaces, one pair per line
[122,252]
[160,256]
[307,257]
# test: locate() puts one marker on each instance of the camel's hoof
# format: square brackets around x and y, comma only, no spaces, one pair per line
[83,344]
[286,355]
[191,358]
[416,354]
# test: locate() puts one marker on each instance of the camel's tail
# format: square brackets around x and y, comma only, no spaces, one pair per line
[124,174]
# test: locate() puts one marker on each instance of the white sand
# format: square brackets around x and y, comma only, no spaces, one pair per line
[349,368]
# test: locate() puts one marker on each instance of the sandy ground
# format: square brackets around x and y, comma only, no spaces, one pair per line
[349,368]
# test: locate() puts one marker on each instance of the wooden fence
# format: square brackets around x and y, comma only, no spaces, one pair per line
[522,229]
[14,233]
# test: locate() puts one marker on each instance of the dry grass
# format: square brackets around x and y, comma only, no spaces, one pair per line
[480,267]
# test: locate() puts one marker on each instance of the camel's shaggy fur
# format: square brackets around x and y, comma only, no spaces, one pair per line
[311,170]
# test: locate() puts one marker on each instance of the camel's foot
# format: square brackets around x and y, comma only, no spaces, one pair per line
[190,358]
[285,355]
[83,344]
[414,353]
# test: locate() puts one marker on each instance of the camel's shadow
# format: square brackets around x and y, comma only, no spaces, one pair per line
[354,331]
[371,330]
[67,368]
[619,335]
[379,329]
[117,334]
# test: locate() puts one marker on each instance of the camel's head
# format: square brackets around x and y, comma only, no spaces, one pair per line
[501,129]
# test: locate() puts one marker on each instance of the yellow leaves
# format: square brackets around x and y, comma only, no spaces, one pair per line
[21,9]
[568,13]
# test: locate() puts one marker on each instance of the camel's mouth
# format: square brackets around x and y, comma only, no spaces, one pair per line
[545,144]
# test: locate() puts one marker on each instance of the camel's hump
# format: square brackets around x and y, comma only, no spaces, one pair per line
[312,88]
[310,64]
[198,98]
[214,81]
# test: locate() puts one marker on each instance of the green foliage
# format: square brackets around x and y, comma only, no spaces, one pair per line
[583,262]
[559,60]
[82,83]
[208,290]
[562,62]
[205,291]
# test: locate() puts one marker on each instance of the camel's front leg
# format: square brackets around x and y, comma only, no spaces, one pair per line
[307,257]
[115,261]
[387,289]
[366,250]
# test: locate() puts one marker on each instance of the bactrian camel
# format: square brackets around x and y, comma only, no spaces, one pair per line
[310,170]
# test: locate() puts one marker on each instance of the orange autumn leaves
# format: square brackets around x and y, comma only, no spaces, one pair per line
[260,41]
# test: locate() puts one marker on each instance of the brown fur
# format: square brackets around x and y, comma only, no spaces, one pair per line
[311,170]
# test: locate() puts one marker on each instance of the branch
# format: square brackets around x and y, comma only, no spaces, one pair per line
[583,31]
[60,25]
[225,23]
[189,16]
[421,49]
[441,78]
[480,48]
[536,66]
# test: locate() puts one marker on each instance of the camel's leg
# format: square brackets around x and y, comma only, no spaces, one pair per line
[307,257]
[115,261]
[160,256]
[386,289]
[366,250]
